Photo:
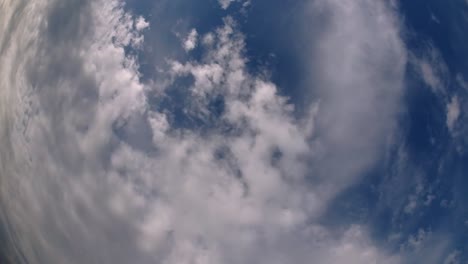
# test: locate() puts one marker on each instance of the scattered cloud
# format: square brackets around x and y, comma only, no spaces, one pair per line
[191,41]
[430,77]
[453,258]
[412,204]
[225,3]
[434,18]
[141,23]
[426,246]
[433,70]
[416,241]
[461,81]
[453,113]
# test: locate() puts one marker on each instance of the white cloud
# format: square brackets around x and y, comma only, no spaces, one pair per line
[430,77]
[417,241]
[453,258]
[141,23]
[191,41]
[412,204]
[421,196]
[225,3]
[426,246]
[434,18]
[358,62]
[429,199]
[433,70]
[208,39]
[62,115]
[453,113]
[91,164]
[461,81]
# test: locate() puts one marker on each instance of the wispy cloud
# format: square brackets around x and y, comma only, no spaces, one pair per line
[225,3]
[357,62]
[453,113]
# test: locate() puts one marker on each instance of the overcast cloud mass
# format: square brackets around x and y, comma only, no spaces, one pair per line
[149,137]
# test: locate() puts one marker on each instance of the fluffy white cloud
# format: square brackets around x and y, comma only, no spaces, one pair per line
[141,23]
[191,41]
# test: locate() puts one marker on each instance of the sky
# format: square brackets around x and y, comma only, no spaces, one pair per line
[233,131]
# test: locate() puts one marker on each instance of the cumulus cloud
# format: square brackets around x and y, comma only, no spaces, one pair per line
[94,172]
[141,23]
[191,41]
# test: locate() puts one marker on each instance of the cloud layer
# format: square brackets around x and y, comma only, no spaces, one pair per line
[208,164]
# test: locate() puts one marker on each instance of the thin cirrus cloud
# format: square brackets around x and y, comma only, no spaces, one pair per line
[78,187]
